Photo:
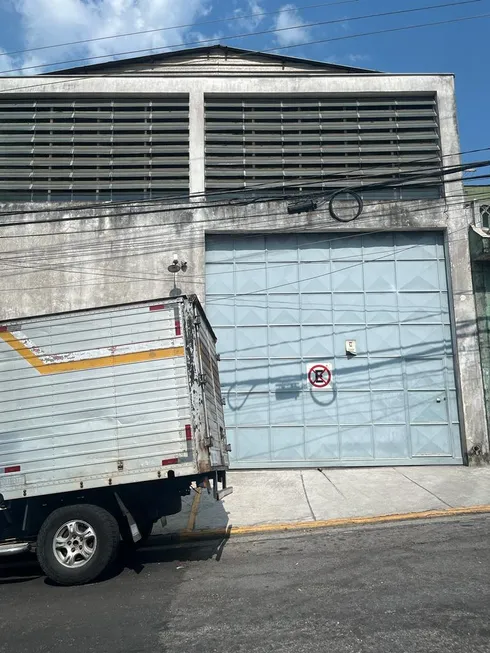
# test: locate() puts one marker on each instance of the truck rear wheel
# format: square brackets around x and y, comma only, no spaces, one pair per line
[76,543]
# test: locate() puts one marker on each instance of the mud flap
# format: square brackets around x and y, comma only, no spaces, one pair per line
[225,491]
[133,527]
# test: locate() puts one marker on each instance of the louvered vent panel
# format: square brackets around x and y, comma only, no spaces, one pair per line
[58,149]
[389,145]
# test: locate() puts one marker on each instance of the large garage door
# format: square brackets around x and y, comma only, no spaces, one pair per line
[284,304]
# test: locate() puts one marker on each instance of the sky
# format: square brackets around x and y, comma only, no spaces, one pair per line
[460,48]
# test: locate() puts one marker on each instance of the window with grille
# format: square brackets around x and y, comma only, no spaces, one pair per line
[385,145]
[93,149]
[485,215]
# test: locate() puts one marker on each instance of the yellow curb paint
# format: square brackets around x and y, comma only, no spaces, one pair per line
[345,521]
[194,509]
[87,363]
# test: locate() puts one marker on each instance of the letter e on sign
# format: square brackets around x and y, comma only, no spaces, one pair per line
[319,376]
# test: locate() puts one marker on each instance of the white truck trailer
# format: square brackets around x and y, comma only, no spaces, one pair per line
[107,418]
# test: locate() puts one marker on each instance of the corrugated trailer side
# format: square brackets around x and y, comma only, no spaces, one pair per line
[120,398]
[97,395]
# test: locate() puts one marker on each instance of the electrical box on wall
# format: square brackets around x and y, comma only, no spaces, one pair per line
[351,347]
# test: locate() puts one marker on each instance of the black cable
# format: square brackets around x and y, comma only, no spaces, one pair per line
[329,273]
[241,192]
[62,267]
[382,31]
[87,248]
[384,184]
[331,236]
[248,34]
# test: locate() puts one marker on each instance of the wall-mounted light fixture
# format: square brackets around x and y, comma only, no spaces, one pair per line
[177,266]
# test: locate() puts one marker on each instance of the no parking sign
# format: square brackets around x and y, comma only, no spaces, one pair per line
[319,376]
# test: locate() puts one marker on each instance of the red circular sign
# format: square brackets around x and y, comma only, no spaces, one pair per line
[319,376]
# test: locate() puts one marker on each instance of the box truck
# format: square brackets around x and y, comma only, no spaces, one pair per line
[108,417]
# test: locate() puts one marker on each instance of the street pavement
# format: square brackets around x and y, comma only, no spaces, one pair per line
[404,588]
[267,497]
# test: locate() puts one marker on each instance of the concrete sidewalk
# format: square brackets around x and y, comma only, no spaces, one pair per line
[264,499]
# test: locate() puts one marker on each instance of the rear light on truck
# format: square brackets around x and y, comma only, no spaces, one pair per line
[188,432]
[157,307]
[170,461]
[11,469]
[178,330]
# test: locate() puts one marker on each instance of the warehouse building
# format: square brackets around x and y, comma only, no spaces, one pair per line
[318,212]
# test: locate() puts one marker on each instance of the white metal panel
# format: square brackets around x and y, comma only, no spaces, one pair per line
[281,304]
[94,395]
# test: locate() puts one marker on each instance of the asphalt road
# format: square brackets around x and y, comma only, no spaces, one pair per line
[412,587]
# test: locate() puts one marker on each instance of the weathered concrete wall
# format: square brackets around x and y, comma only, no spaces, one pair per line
[56,261]
[120,254]
[481,281]
[86,261]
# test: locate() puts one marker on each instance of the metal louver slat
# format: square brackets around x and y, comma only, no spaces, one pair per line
[92,146]
[333,142]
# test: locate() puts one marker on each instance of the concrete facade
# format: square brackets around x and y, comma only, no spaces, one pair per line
[58,258]
[480,255]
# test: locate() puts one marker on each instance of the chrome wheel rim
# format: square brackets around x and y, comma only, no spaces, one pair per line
[74,543]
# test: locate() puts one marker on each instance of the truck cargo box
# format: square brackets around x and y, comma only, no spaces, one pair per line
[110,396]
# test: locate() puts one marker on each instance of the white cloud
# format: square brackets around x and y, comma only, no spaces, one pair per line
[356,58]
[292,24]
[248,22]
[46,22]
[6,62]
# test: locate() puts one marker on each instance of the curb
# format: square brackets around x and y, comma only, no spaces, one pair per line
[187,535]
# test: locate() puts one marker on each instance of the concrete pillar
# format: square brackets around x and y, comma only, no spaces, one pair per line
[468,369]
[196,144]
[468,363]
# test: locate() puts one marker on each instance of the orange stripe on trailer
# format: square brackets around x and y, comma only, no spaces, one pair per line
[87,363]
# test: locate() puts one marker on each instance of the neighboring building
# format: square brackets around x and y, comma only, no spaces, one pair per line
[479,197]
[205,151]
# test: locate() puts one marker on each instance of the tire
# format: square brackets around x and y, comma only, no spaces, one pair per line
[71,554]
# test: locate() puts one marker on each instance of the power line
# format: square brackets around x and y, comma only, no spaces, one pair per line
[328,273]
[261,14]
[79,78]
[150,248]
[259,33]
[448,170]
[277,304]
[263,219]
[154,247]
[292,184]
[241,192]
[382,31]
[118,274]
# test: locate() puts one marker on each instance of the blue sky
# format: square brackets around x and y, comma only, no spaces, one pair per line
[461,48]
